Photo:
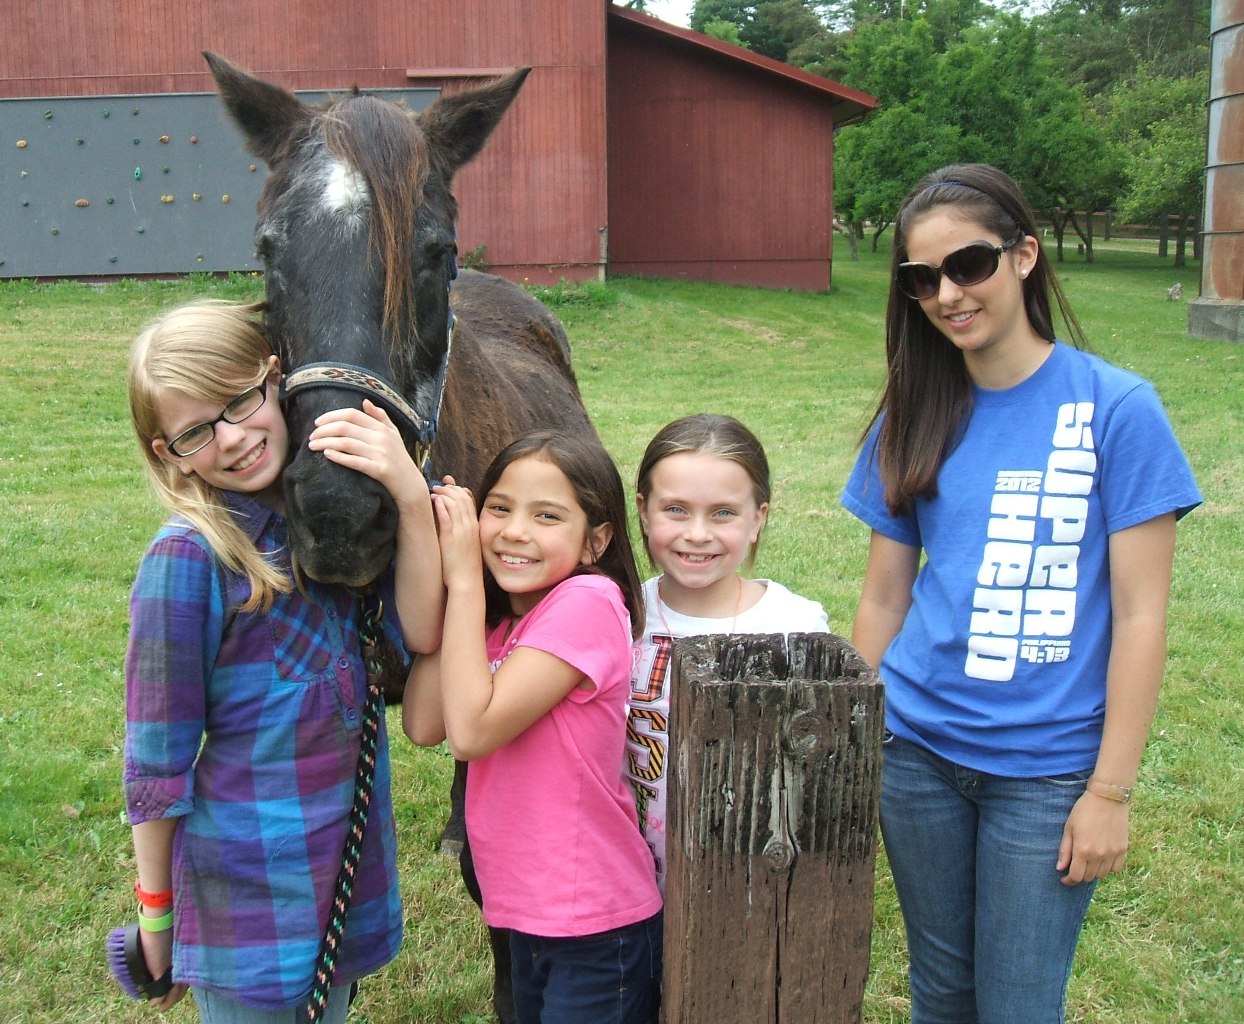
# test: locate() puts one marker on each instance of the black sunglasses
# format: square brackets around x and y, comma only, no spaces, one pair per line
[967,266]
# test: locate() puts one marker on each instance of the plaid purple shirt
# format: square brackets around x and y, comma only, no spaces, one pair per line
[247,727]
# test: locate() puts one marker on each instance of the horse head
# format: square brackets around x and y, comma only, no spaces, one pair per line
[356,231]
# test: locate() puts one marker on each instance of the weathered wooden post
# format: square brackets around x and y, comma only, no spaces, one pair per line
[773,796]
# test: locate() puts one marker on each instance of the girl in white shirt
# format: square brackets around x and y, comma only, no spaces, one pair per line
[703,495]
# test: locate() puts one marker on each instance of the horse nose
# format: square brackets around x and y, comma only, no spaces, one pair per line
[342,525]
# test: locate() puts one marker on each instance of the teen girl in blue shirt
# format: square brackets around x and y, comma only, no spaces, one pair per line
[1022,660]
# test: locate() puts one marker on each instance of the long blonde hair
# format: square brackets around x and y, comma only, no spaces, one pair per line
[209,350]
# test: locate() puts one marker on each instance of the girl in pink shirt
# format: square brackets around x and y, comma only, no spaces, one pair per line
[531,685]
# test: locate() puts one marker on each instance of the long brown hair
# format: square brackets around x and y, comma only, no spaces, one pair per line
[598,490]
[928,393]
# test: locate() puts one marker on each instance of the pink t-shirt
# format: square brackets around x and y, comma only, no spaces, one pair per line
[552,822]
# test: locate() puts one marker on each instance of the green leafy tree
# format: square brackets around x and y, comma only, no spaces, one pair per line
[789,31]
[846,15]
[1160,125]
[877,162]
[1098,43]
[1145,96]
[893,61]
[1016,112]
[1084,104]
[874,162]
[786,30]
[1066,162]
[738,13]
[1084,42]
[726,31]
[704,11]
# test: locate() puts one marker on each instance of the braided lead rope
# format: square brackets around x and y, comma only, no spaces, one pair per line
[326,962]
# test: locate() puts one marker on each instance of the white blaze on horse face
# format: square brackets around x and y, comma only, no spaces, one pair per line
[344,190]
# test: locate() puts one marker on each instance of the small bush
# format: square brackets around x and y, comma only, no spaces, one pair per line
[474,259]
[582,294]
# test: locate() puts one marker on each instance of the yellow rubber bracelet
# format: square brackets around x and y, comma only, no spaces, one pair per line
[155,924]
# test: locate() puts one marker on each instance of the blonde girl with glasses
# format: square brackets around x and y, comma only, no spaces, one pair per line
[245,687]
[1022,497]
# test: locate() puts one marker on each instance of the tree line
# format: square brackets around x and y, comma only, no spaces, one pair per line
[1088,104]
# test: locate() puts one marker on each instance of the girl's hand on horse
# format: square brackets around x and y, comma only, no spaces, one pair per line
[461,561]
[367,441]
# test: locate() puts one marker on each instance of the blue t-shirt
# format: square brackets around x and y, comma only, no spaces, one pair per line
[1000,664]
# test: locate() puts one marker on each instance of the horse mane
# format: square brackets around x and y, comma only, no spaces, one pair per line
[383,144]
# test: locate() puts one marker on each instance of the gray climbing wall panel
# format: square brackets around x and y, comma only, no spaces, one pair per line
[126,185]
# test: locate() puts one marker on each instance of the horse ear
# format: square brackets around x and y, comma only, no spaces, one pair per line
[266,113]
[459,124]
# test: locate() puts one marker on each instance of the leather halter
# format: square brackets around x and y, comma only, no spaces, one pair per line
[358,378]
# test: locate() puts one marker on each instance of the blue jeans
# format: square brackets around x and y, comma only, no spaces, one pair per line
[991,930]
[612,977]
[216,1009]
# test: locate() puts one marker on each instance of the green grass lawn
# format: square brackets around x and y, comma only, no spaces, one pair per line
[1163,940]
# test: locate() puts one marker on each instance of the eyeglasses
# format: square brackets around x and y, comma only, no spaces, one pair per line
[967,266]
[201,434]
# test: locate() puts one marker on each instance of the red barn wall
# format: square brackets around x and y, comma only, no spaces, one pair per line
[535,198]
[717,170]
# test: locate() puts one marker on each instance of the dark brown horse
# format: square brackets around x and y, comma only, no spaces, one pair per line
[356,230]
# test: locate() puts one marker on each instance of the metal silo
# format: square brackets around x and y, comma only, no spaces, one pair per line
[1219,311]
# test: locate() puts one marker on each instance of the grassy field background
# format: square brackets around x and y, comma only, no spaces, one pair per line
[1163,940]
